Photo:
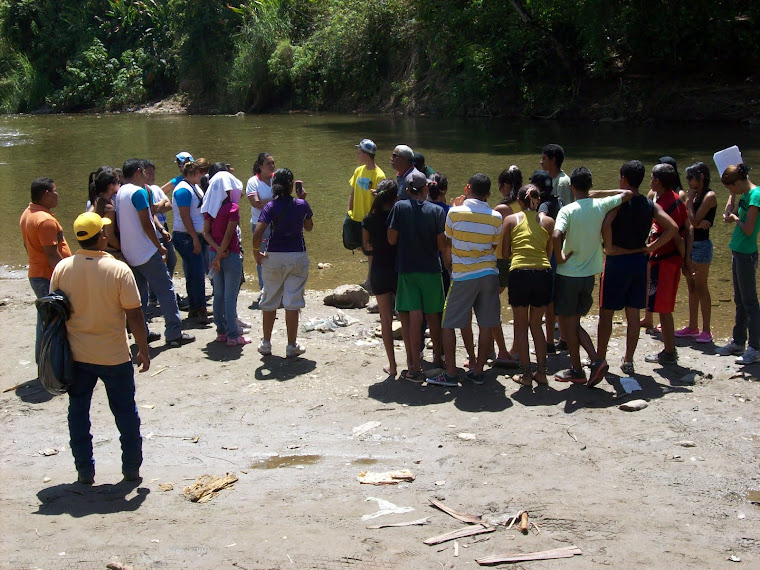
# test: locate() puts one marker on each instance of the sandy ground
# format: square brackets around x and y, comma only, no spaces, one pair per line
[619,485]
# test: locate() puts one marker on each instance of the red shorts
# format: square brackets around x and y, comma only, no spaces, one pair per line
[663,284]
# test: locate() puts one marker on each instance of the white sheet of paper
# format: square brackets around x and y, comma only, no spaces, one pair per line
[726,157]
[630,384]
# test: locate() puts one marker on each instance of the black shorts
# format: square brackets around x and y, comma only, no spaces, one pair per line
[503,266]
[383,279]
[573,295]
[624,282]
[530,287]
[352,233]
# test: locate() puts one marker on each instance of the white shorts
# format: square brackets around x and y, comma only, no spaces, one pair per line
[285,275]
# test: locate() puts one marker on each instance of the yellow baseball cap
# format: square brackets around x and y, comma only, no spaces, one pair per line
[88,225]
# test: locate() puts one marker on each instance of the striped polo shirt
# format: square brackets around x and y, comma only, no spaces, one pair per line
[474,230]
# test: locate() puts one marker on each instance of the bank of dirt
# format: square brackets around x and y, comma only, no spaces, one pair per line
[619,485]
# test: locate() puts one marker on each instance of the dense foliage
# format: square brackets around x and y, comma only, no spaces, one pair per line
[537,57]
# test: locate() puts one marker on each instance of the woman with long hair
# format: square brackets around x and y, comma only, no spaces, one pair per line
[382,274]
[701,205]
[259,193]
[104,186]
[528,245]
[742,209]
[285,263]
[221,217]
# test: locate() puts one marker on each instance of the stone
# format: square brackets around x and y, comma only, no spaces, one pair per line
[372,307]
[633,405]
[348,297]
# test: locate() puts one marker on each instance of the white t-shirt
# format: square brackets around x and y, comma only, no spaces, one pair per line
[135,245]
[264,189]
[186,195]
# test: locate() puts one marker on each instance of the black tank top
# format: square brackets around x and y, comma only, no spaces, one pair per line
[631,226]
[702,235]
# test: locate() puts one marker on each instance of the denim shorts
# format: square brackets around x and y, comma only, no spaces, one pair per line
[702,251]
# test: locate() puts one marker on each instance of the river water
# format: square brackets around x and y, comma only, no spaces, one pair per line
[319,149]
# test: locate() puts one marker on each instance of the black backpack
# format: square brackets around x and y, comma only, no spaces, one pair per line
[55,366]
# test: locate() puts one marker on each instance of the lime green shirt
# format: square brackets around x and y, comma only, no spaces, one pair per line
[741,242]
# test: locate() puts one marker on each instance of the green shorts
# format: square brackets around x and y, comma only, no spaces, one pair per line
[420,292]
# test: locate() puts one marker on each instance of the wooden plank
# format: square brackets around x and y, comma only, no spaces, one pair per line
[461,533]
[464,517]
[566,552]
[426,520]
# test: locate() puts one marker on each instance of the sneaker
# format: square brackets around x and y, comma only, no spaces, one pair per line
[663,358]
[477,379]
[265,347]
[686,332]
[184,338]
[182,303]
[627,367]
[598,369]
[132,475]
[86,478]
[730,349]
[239,341]
[243,324]
[293,350]
[444,379]
[416,377]
[153,336]
[750,355]
[704,337]
[571,375]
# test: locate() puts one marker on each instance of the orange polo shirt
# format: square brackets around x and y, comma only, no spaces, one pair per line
[39,228]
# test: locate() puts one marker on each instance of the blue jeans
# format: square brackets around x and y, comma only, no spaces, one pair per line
[744,272]
[226,287]
[119,381]
[171,263]
[41,287]
[155,274]
[193,267]
[263,248]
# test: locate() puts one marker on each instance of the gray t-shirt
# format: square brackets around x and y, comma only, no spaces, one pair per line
[418,224]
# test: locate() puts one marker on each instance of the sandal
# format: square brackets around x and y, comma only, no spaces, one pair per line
[221,338]
[541,372]
[524,379]
[416,377]
[239,341]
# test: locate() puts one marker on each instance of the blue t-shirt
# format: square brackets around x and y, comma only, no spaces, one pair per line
[418,224]
[140,199]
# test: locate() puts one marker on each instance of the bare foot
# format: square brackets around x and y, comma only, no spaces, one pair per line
[646,324]
[390,370]
[523,379]
[541,379]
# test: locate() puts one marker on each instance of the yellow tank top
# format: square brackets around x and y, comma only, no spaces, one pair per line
[529,244]
[516,207]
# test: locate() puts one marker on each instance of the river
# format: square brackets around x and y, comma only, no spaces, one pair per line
[319,149]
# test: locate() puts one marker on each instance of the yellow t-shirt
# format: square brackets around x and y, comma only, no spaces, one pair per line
[363,182]
[100,289]
[529,240]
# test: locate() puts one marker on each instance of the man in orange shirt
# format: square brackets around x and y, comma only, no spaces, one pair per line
[43,240]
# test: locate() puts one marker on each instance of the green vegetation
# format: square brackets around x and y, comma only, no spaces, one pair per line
[464,57]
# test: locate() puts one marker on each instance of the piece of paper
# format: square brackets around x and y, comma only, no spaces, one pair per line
[386,508]
[726,157]
[630,384]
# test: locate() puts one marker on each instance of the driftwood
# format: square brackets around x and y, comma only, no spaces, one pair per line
[524,522]
[566,552]
[464,517]
[461,533]
[206,487]
[426,520]
[386,478]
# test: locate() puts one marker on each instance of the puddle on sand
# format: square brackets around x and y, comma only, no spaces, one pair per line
[364,461]
[278,461]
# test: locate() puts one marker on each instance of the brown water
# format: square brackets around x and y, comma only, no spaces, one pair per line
[319,149]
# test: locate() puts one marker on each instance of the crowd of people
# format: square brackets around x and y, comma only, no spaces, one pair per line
[434,260]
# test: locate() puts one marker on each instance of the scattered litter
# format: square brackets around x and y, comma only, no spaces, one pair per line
[687,443]
[741,516]
[231,545]
[630,384]
[155,540]
[386,478]
[456,548]
[734,558]
[633,405]
[117,566]
[159,371]
[329,324]
[461,533]
[571,434]
[230,447]
[565,552]
[367,342]
[426,520]
[440,483]
[48,452]
[166,486]
[464,517]
[148,406]
[386,508]
[324,265]
[151,435]
[46,480]
[466,436]
[206,487]
[359,431]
